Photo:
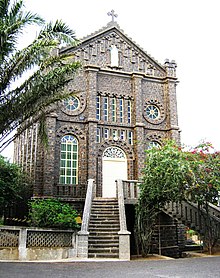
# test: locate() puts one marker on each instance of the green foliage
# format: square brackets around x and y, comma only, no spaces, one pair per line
[205,165]
[15,186]
[52,213]
[49,70]
[171,175]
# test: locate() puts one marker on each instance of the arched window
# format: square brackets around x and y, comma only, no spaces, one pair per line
[69,160]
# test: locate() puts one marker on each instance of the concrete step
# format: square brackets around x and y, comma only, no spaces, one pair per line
[103,250]
[103,241]
[104,221]
[108,200]
[101,233]
[104,224]
[99,245]
[104,212]
[103,229]
[103,206]
[103,216]
[103,255]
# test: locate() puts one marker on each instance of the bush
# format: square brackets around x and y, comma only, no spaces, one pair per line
[52,213]
[15,191]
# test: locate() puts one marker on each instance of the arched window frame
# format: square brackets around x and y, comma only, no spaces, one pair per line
[69,160]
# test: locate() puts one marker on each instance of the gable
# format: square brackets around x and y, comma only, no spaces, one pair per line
[97,49]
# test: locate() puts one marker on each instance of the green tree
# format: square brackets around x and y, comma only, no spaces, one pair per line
[15,188]
[205,165]
[171,174]
[30,101]
[52,213]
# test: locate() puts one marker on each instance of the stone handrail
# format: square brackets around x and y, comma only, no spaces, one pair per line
[131,191]
[83,234]
[122,217]
[87,208]
[124,234]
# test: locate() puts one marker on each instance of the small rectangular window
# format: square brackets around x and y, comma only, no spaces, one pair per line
[106,109]
[122,135]
[121,110]
[114,133]
[129,111]
[106,133]
[114,110]
[98,135]
[98,116]
[130,137]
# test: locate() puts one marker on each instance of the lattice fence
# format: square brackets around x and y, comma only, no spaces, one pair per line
[49,239]
[9,238]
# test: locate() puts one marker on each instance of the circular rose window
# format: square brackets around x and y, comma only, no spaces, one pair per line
[71,103]
[152,112]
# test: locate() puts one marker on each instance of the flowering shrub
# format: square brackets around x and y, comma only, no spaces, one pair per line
[171,174]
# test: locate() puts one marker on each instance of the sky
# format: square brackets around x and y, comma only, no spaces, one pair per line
[185,31]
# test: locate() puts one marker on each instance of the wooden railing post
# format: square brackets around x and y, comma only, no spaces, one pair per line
[83,234]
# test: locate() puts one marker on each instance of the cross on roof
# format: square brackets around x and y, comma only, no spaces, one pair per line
[112,14]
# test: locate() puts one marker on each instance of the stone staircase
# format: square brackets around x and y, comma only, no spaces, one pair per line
[103,229]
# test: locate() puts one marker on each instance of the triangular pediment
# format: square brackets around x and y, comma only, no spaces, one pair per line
[95,49]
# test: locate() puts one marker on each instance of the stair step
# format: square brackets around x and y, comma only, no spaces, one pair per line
[105,205]
[103,255]
[103,229]
[100,199]
[94,216]
[104,245]
[104,250]
[105,236]
[104,221]
[104,224]
[104,212]
[105,240]
[98,232]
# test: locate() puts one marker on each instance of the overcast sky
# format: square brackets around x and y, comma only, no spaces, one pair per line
[184,31]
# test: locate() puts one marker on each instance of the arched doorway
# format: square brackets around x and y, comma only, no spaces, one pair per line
[114,166]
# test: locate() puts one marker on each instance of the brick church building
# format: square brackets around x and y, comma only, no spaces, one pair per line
[124,103]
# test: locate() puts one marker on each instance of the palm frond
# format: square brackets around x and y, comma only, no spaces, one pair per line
[60,31]
[4,4]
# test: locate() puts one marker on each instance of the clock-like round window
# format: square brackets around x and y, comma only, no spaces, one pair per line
[152,112]
[71,103]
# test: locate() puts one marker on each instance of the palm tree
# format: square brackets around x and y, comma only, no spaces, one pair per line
[30,101]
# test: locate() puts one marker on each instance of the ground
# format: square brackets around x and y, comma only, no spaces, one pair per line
[202,267]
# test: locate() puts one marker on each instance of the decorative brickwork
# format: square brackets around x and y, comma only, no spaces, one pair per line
[118,83]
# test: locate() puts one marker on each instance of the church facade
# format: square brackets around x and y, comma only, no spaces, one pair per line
[124,103]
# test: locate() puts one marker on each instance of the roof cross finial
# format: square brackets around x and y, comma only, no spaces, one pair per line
[112,14]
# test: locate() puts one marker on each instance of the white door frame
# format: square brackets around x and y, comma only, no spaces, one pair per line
[114,166]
